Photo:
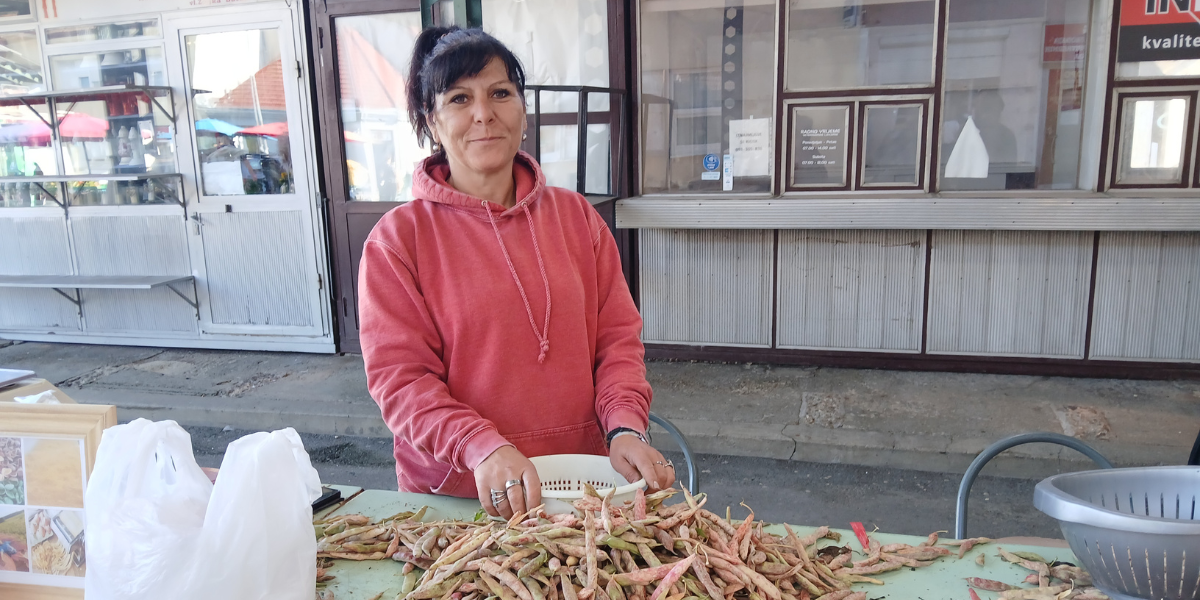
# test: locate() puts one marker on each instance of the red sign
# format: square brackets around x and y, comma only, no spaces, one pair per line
[1159,12]
[1153,30]
[1065,42]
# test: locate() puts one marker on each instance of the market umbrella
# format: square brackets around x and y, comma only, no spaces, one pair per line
[24,132]
[217,126]
[269,129]
[281,128]
[73,125]
[79,125]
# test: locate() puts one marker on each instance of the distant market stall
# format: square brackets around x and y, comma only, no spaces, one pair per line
[156,178]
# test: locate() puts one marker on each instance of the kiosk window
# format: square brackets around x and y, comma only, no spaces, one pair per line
[20,63]
[834,44]
[1013,94]
[381,150]
[241,112]
[1152,141]
[820,136]
[15,9]
[861,143]
[950,95]
[93,32]
[892,145]
[707,97]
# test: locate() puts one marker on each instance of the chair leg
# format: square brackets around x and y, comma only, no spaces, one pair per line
[964,488]
[688,457]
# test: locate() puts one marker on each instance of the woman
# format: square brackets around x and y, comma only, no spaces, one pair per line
[495,321]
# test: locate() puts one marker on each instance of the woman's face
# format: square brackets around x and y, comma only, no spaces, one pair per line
[479,121]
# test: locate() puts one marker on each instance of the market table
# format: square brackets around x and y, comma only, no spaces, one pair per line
[363,580]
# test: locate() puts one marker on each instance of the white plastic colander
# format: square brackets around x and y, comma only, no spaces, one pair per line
[563,476]
[1131,528]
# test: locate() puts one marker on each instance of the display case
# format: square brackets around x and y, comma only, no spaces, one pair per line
[99,190]
[90,70]
[112,145]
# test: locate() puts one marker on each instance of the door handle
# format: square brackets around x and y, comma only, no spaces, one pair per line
[196,223]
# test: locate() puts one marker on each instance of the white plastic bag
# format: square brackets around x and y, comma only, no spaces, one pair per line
[46,397]
[969,158]
[258,540]
[145,504]
[158,529]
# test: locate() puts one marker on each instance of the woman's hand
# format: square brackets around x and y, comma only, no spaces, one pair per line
[635,459]
[505,465]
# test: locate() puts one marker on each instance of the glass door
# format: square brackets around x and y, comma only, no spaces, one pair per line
[369,149]
[254,214]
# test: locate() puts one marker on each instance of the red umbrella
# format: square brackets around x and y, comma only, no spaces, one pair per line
[270,129]
[81,125]
[281,128]
[73,125]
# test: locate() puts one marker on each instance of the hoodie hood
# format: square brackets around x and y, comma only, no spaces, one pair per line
[429,183]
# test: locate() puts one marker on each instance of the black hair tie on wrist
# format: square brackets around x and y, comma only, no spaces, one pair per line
[608,439]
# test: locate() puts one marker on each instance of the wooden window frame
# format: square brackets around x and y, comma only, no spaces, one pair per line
[924,131]
[855,154]
[849,156]
[1120,89]
[930,168]
[1188,175]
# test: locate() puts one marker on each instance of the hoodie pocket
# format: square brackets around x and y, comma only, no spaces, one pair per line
[582,438]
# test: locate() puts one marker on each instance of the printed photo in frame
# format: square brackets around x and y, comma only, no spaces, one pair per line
[46,455]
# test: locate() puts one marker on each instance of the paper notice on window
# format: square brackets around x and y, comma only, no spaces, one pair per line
[750,145]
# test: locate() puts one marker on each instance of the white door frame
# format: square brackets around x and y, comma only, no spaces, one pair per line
[305,197]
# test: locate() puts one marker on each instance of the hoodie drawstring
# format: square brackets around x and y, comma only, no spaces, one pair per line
[544,335]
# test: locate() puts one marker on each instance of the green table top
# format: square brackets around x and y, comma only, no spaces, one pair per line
[944,580]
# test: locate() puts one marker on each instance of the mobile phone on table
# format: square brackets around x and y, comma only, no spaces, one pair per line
[328,497]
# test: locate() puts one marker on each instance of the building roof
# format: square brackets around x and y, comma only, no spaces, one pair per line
[269,83]
[367,78]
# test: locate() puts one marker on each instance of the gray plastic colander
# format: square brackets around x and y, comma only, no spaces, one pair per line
[1135,530]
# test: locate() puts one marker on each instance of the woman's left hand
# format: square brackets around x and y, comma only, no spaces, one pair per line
[635,459]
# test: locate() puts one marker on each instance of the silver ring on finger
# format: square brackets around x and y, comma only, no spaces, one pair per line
[498,497]
[660,463]
[669,464]
[511,483]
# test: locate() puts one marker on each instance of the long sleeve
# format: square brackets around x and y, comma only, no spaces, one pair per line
[622,393]
[402,352]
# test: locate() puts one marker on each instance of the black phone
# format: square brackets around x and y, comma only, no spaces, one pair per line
[328,497]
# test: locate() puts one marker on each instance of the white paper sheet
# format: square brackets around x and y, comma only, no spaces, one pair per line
[750,145]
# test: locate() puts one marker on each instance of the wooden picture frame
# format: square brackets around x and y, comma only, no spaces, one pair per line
[49,500]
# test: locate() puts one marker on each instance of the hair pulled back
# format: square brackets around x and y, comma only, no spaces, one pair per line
[444,55]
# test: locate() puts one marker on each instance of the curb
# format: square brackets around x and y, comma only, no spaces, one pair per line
[935,453]
[920,452]
[339,418]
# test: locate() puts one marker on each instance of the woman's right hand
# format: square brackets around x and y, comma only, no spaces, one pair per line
[505,465]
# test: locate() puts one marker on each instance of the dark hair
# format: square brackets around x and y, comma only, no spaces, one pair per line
[444,55]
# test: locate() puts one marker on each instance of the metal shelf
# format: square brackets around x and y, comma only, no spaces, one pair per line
[102,282]
[66,203]
[154,90]
[74,178]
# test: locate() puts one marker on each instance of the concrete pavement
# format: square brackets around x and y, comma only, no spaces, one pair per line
[909,420]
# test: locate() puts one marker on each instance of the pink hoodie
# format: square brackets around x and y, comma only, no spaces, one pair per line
[454,304]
